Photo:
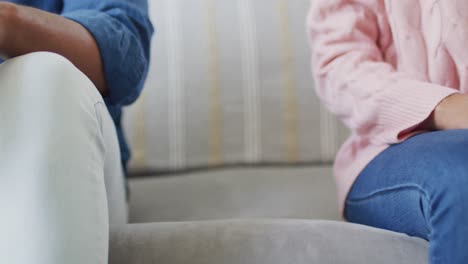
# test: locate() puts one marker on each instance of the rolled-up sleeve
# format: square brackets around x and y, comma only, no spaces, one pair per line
[123,33]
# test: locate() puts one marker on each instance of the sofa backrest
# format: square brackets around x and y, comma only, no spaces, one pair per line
[229,84]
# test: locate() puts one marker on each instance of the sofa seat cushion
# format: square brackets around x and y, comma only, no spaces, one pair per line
[295,192]
[262,242]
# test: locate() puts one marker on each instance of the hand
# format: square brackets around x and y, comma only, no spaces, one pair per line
[451,113]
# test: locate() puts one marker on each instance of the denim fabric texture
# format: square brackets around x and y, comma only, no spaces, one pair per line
[419,187]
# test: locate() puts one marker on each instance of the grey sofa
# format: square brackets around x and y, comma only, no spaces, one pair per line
[232,149]
[183,219]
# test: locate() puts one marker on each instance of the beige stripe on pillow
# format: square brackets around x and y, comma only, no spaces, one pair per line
[290,85]
[216,109]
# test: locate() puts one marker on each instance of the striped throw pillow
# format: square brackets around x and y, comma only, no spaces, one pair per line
[230,83]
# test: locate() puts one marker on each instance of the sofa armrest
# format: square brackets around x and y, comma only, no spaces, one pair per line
[262,242]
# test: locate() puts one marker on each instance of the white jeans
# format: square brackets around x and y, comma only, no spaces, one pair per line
[58,154]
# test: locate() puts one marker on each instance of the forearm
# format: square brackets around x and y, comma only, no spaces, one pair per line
[24,30]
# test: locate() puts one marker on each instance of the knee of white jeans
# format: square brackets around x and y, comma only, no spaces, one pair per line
[46,93]
[52,155]
[50,76]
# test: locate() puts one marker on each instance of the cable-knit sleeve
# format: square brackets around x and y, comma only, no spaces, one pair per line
[354,80]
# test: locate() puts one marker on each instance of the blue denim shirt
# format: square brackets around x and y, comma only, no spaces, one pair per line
[123,32]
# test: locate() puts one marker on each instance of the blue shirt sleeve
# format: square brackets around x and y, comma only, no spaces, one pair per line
[123,33]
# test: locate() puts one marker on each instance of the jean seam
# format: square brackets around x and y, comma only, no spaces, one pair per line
[386,190]
[424,194]
[98,115]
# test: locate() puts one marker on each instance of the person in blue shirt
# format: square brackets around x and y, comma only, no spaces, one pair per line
[67,68]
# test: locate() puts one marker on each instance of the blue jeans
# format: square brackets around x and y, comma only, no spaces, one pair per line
[419,187]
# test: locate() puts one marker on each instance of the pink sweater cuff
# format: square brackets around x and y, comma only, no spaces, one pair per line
[408,104]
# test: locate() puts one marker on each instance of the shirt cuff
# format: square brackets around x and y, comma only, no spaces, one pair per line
[124,63]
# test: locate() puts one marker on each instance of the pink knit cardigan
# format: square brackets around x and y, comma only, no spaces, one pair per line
[382,66]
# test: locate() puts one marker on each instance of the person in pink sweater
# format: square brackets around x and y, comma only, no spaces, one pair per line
[396,73]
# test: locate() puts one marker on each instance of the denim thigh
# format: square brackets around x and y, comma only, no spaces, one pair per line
[398,189]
